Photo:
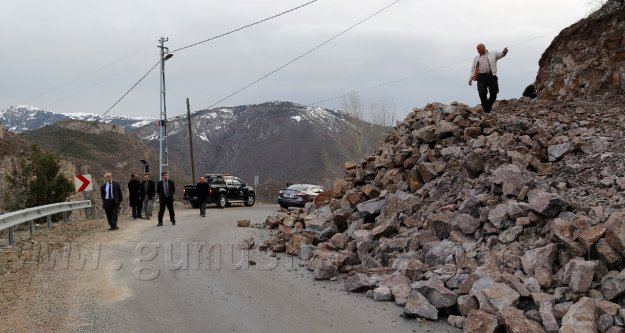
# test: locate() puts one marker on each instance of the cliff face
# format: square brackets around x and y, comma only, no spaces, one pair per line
[587,58]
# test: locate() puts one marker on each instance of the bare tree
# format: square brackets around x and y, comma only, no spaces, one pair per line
[371,125]
[383,113]
[353,105]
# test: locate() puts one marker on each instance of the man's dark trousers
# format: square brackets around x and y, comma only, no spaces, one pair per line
[112,212]
[169,202]
[487,83]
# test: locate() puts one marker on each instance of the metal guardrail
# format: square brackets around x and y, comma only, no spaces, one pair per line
[12,219]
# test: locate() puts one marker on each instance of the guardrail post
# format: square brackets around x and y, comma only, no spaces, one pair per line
[30,215]
[11,240]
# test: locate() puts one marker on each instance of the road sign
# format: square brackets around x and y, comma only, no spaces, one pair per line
[83,183]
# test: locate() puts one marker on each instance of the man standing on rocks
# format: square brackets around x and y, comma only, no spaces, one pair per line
[484,71]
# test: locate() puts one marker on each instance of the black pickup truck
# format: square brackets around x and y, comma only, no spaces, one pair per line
[223,190]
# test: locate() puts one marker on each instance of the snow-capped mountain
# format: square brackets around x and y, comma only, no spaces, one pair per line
[277,141]
[23,118]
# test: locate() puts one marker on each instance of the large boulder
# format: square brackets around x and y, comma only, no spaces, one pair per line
[578,274]
[580,317]
[418,306]
[546,203]
[541,258]
[481,322]
[615,235]
[516,322]
[436,293]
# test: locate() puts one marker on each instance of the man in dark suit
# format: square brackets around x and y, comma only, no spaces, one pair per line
[111,194]
[202,195]
[149,188]
[135,195]
[165,189]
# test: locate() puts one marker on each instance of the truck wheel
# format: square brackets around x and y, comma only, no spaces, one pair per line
[194,204]
[250,200]
[222,202]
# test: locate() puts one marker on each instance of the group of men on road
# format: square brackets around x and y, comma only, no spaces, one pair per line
[141,198]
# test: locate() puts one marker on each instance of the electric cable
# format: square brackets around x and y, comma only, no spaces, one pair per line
[304,54]
[244,27]
[176,50]
[84,75]
[93,123]
[420,73]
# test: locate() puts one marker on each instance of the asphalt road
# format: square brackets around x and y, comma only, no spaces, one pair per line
[170,279]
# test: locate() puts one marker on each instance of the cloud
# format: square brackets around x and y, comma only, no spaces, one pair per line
[68,56]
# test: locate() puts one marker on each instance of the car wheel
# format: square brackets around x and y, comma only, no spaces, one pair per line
[250,200]
[194,204]
[222,202]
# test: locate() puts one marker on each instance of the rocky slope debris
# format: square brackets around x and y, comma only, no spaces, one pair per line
[512,219]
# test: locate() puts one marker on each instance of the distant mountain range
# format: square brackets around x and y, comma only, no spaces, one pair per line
[277,141]
[21,118]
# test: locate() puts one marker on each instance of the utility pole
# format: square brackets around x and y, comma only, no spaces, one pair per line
[163,156]
[190,142]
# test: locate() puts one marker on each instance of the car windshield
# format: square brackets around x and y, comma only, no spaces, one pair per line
[298,187]
[213,179]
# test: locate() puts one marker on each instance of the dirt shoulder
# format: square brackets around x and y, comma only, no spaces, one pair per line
[41,276]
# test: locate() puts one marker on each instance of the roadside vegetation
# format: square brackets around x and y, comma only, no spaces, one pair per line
[35,180]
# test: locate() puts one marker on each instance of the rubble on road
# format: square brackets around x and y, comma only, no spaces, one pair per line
[469,216]
[512,220]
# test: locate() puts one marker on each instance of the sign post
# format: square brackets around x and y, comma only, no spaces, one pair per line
[83,183]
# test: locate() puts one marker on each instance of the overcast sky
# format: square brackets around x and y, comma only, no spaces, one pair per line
[82,56]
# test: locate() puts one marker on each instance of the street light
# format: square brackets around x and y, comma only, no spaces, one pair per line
[146,166]
[163,158]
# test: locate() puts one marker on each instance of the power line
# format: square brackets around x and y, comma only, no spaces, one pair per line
[297,58]
[244,27]
[392,82]
[179,49]
[84,75]
[304,54]
[421,73]
[87,87]
[93,123]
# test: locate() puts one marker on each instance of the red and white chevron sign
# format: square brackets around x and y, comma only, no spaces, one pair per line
[83,183]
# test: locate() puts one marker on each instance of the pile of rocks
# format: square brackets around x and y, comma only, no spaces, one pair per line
[505,219]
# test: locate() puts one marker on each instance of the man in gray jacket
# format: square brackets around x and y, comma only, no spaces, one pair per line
[484,71]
